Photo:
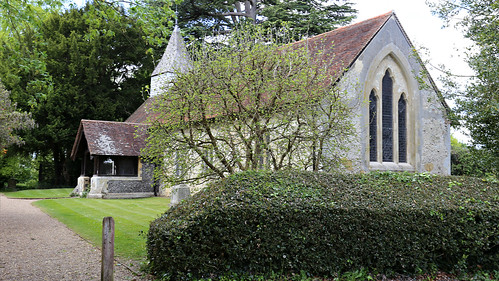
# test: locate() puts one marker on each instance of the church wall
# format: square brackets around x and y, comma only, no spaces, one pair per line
[428,140]
[436,147]
[352,160]
[141,184]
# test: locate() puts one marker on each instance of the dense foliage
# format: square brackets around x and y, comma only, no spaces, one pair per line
[259,222]
[12,166]
[17,167]
[469,160]
[477,104]
[81,74]
[305,17]
[153,17]
[11,120]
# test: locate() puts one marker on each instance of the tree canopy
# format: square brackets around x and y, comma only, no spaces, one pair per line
[310,17]
[73,73]
[248,103]
[477,105]
[152,17]
[21,21]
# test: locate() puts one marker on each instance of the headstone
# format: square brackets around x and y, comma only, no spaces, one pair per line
[179,193]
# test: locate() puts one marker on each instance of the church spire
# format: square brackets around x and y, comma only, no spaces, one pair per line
[175,59]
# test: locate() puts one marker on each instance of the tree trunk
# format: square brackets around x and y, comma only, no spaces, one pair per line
[66,170]
[250,9]
[41,175]
[59,158]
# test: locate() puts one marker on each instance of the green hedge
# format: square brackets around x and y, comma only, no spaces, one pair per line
[261,222]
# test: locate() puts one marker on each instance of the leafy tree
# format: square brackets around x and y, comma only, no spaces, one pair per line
[307,17]
[10,121]
[21,21]
[153,17]
[310,17]
[248,103]
[18,167]
[469,160]
[92,75]
[478,103]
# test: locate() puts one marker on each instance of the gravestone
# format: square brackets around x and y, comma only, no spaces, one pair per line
[179,193]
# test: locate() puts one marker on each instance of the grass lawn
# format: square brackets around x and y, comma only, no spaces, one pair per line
[39,193]
[131,219]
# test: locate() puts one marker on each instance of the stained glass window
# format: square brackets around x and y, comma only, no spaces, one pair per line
[387,118]
[373,127]
[402,126]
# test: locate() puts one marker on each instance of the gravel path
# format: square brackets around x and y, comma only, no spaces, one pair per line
[34,246]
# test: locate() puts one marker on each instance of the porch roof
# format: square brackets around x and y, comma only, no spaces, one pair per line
[110,138]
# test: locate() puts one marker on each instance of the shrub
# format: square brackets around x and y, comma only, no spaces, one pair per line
[469,160]
[261,222]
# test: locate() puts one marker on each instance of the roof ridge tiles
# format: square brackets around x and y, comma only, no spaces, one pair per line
[106,121]
[341,28]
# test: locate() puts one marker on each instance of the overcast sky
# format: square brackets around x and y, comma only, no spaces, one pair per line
[445,45]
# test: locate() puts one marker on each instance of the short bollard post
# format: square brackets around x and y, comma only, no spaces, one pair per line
[107,269]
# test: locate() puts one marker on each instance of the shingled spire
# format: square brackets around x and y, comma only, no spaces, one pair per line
[175,59]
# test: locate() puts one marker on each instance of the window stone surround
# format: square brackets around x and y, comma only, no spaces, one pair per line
[391,59]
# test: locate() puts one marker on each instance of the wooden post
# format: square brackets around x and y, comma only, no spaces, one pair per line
[107,269]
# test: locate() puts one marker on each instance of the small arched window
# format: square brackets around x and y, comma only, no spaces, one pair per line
[402,128]
[373,127]
[387,117]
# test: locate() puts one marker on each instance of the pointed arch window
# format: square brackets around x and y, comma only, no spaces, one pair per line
[373,127]
[387,117]
[388,123]
[402,129]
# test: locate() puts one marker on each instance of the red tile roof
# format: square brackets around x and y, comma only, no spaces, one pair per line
[110,138]
[342,46]
[142,113]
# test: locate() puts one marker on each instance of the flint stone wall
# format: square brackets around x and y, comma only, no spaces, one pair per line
[133,186]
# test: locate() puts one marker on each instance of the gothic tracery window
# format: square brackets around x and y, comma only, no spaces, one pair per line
[388,141]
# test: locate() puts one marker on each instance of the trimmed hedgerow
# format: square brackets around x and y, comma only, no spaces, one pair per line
[261,222]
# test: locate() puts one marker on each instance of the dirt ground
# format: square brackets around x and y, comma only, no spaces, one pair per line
[34,246]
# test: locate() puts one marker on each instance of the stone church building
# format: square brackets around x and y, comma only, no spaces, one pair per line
[401,126]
